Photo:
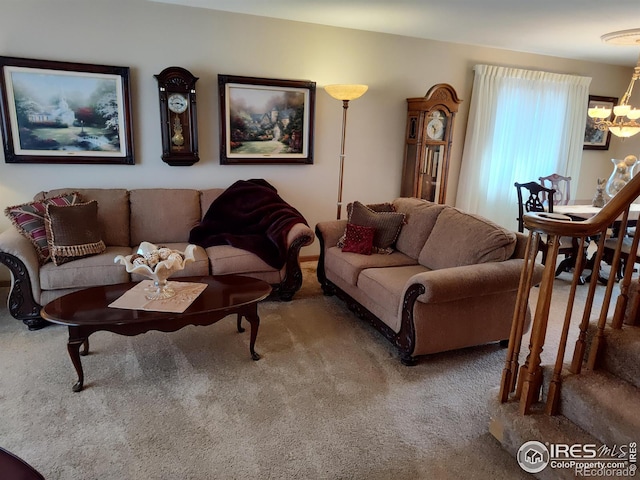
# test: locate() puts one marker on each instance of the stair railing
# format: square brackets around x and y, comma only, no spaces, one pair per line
[523,383]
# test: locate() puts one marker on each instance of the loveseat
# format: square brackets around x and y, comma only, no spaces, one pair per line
[125,218]
[447,280]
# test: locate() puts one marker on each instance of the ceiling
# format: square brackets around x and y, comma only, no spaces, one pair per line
[562,28]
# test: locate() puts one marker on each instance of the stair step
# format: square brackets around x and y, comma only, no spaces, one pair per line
[605,406]
[512,430]
[621,354]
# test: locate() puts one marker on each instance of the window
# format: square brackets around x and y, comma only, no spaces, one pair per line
[523,124]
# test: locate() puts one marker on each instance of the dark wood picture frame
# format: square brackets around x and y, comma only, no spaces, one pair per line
[266,121]
[595,139]
[64,112]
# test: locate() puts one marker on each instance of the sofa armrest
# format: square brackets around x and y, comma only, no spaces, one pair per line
[331,231]
[458,283]
[302,231]
[299,236]
[20,256]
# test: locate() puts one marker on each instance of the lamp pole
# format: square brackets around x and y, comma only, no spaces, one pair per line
[344,93]
[345,105]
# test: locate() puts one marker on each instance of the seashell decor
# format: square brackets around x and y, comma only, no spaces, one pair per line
[158,264]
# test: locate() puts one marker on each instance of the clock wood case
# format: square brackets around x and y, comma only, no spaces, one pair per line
[178,116]
[428,143]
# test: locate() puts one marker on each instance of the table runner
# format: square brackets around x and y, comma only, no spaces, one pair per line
[134,298]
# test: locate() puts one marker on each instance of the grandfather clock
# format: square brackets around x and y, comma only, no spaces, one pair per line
[428,138]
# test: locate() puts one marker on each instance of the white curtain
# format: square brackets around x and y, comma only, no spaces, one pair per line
[522,125]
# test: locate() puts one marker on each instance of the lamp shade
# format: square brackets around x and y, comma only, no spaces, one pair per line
[346,92]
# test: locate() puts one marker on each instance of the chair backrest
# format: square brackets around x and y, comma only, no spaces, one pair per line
[562,186]
[533,201]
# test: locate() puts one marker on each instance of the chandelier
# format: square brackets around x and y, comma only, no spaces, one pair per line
[625,116]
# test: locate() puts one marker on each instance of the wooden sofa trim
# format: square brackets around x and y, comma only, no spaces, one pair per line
[21,303]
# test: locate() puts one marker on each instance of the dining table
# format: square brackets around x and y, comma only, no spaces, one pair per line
[583,211]
[579,211]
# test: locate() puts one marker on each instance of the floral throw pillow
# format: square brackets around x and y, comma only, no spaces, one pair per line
[358,239]
[28,218]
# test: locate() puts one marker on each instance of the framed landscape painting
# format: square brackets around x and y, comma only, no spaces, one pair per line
[62,112]
[266,121]
[594,138]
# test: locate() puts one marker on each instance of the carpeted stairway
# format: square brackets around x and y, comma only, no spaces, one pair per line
[596,407]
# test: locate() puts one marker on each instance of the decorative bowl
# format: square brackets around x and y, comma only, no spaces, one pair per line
[158,264]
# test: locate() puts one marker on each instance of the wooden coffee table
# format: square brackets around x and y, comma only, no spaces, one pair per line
[87,311]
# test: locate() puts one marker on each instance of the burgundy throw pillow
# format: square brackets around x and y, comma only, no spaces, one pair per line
[358,239]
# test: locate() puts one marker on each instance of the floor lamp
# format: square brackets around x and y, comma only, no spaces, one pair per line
[344,93]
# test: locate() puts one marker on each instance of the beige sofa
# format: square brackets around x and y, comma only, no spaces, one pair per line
[451,281]
[127,218]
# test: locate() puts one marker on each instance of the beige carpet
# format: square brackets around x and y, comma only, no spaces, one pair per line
[328,400]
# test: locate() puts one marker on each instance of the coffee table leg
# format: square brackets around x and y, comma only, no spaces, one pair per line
[73,347]
[254,320]
[240,328]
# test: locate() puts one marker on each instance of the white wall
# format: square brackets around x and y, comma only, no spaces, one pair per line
[149,37]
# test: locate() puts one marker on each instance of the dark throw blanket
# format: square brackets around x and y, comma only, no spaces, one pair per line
[249,215]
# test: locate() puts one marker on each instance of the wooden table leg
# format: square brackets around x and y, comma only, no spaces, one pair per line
[254,321]
[76,340]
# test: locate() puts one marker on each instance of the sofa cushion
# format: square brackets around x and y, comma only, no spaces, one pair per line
[113,211]
[358,239]
[28,219]
[385,287]
[348,265]
[460,238]
[86,272]
[420,218]
[207,197]
[73,231]
[387,225]
[226,259]
[180,212]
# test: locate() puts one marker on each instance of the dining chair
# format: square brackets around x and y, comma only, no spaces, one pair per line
[534,202]
[559,183]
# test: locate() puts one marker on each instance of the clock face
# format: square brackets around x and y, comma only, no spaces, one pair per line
[177,103]
[435,127]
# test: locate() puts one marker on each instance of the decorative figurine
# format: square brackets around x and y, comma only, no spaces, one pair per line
[598,200]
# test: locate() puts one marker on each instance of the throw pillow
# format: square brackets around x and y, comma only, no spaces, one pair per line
[387,225]
[376,207]
[73,231]
[28,219]
[358,239]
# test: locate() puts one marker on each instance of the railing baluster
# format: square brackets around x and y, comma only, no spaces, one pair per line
[510,370]
[532,378]
[625,282]
[598,340]
[553,396]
